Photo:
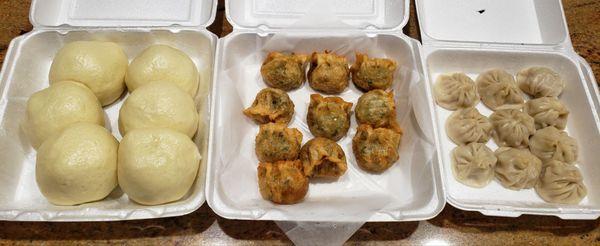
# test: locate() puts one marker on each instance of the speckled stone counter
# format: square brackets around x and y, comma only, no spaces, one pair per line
[452,226]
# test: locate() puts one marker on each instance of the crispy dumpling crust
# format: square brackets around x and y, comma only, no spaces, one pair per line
[376,149]
[282,182]
[328,117]
[271,106]
[328,73]
[276,142]
[377,108]
[284,71]
[324,158]
[372,73]
[454,91]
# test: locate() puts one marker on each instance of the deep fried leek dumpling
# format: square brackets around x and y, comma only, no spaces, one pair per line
[473,164]
[376,108]
[276,142]
[498,89]
[328,73]
[517,169]
[376,149]
[512,128]
[328,117]
[322,157]
[468,126]
[282,182]
[547,111]
[271,106]
[540,82]
[372,73]
[454,91]
[561,183]
[553,144]
[284,71]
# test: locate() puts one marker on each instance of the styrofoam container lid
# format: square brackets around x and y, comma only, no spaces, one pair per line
[537,22]
[307,14]
[134,13]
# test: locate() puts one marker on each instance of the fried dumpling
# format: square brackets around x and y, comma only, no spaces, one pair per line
[561,183]
[377,108]
[284,71]
[512,128]
[468,126]
[517,168]
[328,117]
[282,182]
[322,157]
[473,164]
[376,149]
[372,73]
[553,144]
[454,91]
[276,142]
[328,73]
[547,111]
[540,82]
[498,89]
[271,106]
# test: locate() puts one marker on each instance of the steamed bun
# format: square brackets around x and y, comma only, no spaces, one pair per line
[159,104]
[163,63]
[157,165]
[101,66]
[77,165]
[53,109]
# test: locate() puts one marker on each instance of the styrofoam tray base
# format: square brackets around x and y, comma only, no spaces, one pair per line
[26,71]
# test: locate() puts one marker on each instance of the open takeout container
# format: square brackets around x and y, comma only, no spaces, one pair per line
[474,36]
[410,190]
[134,25]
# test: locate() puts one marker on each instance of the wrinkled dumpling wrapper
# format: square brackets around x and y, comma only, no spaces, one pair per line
[467,126]
[517,169]
[454,91]
[540,82]
[512,128]
[553,144]
[547,111]
[561,183]
[498,90]
[473,164]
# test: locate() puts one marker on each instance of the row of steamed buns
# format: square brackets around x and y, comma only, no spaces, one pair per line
[79,160]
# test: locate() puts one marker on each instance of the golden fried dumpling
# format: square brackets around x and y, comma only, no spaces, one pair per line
[553,144]
[547,111]
[372,73]
[473,164]
[376,149]
[561,183]
[540,82]
[283,71]
[271,105]
[454,91]
[328,117]
[322,157]
[328,73]
[282,182]
[517,168]
[512,128]
[498,89]
[276,142]
[468,126]
[377,108]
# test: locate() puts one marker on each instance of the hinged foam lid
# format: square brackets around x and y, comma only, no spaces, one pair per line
[318,14]
[537,22]
[132,13]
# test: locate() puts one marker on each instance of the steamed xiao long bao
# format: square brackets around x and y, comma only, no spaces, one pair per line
[498,89]
[512,128]
[540,82]
[553,144]
[561,183]
[284,71]
[473,164]
[372,73]
[517,169]
[454,91]
[547,111]
[467,125]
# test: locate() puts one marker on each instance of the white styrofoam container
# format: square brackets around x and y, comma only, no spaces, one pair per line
[134,25]
[413,186]
[474,36]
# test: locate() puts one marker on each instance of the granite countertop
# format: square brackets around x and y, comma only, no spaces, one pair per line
[452,226]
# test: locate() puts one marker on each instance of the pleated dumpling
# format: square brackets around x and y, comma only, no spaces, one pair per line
[553,144]
[454,91]
[498,89]
[512,128]
[473,164]
[561,183]
[517,168]
[468,126]
[547,111]
[540,82]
